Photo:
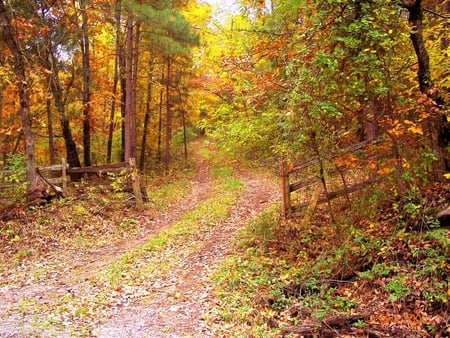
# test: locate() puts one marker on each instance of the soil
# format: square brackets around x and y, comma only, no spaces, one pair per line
[182,303]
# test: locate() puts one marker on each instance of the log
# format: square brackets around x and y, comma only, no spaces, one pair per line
[302,331]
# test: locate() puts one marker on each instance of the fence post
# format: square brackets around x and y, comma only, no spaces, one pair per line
[312,206]
[285,189]
[136,183]
[64,174]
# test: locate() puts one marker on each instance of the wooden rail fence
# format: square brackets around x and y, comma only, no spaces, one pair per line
[60,175]
[336,176]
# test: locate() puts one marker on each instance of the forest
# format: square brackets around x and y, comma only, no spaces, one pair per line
[246,168]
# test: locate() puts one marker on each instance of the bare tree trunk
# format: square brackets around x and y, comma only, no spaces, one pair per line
[60,102]
[146,122]
[11,40]
[3,139]
[134,79]
[51,143]
[123,98]
[86,85]
[116,81]
[160,118]
[183,120]
[168,119]
[130,101]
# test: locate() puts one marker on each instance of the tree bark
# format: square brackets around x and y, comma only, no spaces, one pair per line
[11,39]
[55,85]
[160,118]
[118,14]
[51,143]
[123,98]
[168,119]
[146,122]
[86,85]
[131,73]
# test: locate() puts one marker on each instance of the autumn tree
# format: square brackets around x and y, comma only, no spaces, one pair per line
[14,44]
[438,125]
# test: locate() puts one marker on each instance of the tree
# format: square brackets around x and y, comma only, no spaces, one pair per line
[132,43]
[13,43]
[439,126]
[46,54]
[86,84]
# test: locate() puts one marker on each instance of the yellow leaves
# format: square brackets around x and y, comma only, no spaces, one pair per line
[413,128]
[402,128]
[416,130]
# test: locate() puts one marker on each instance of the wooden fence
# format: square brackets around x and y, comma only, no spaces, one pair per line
[60,175]
[55,174]
[324,185]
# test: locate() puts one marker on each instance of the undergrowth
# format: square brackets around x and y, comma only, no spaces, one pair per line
[369,276]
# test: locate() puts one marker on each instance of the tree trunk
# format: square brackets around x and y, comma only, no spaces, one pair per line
[183,120]
[130,101]
[51,143]
[3,137]
[123,98]
[86,86]
[161,103]
[168,119]
[116,81]
[10,38]
[440,136]
[146,122]
[71,149]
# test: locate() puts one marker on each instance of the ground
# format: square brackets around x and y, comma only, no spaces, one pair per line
[95,265]
[64,293]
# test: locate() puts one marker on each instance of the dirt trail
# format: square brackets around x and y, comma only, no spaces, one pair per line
[186,314]
[182,300]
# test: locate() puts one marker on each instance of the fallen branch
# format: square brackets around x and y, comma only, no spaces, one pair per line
[329,327]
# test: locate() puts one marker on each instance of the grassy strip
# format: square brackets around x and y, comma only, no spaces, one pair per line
[163,251]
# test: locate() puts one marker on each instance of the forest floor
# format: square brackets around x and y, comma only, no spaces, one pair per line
[79,277]
[209,256]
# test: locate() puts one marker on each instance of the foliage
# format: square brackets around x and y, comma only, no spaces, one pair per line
[15,168]
[282,275]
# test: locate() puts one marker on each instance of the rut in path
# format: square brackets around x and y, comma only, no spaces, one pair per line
[185,300]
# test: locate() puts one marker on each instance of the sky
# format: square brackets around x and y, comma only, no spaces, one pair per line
[223,7]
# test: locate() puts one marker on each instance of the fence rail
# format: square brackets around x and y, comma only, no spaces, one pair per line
[322,194]
[60,174]
[57,175]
